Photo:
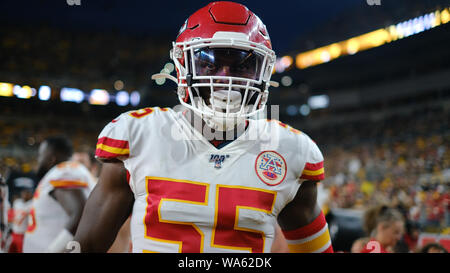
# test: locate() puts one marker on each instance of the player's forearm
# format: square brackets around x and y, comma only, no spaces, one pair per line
[72,201]
[75,216]
[101,220]
[303,223]
[302,210]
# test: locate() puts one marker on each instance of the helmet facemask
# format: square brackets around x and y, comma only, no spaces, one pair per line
[223,80]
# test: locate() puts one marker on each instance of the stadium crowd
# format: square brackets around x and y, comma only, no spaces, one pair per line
[402,161]
[50,55]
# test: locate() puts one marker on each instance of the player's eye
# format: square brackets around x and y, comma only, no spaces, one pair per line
[243,67]
[207,66]
[247,65]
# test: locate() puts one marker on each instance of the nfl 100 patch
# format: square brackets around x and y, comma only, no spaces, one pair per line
[218,160]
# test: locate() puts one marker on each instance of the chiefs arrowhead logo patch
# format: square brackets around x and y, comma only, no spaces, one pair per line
[270,167]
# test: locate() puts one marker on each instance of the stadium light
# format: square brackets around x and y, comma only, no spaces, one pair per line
[335,50]
[44,93]
[292,110]
[286,81]
[304,110]
[372,39]
[445,16]
[6,89]
[283,63]
[122,98]
[118,85]
[99,97]
[24,92]
[318,102]
[135,98]
[71,94]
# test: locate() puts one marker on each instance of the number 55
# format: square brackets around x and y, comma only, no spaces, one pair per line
[228,201]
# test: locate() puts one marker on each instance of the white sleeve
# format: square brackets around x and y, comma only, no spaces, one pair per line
[67,175]
[313,158]
[113,141]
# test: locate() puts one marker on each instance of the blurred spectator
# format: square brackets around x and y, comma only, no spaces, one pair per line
[433,248]
[86,156]
[21,209]
[385,225]
[20,180]
[410,239]
[80,59]
[358,245]
[406,165]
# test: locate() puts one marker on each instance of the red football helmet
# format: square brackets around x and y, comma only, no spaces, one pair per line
[224,60]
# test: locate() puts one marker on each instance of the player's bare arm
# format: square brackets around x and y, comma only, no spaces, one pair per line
[302,219]
[123,239]
[107,208]
[302,210]
[72,201]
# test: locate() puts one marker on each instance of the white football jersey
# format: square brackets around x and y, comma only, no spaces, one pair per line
[21,211]
[47,218]
[193,197]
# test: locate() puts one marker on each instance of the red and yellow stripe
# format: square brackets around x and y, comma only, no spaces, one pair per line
[68,184]
[112,148]
[314,171]
[313,238]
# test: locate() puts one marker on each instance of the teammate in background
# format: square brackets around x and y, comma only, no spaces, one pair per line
[59,197]
[21,207]
[209,178]
[86,156]
[385,225]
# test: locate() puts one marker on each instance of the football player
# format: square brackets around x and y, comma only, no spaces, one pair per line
[21,207]
[209,176]
[59,198]
[85,156]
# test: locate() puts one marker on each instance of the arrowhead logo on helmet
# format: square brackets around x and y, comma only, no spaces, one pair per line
[224,60]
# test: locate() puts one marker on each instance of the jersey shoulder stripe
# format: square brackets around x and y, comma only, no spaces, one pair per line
[313,171]
[314,162]
[110,148]
[68,174]
[118,138]
[68,184]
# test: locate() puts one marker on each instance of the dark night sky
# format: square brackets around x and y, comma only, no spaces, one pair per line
[286,20]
